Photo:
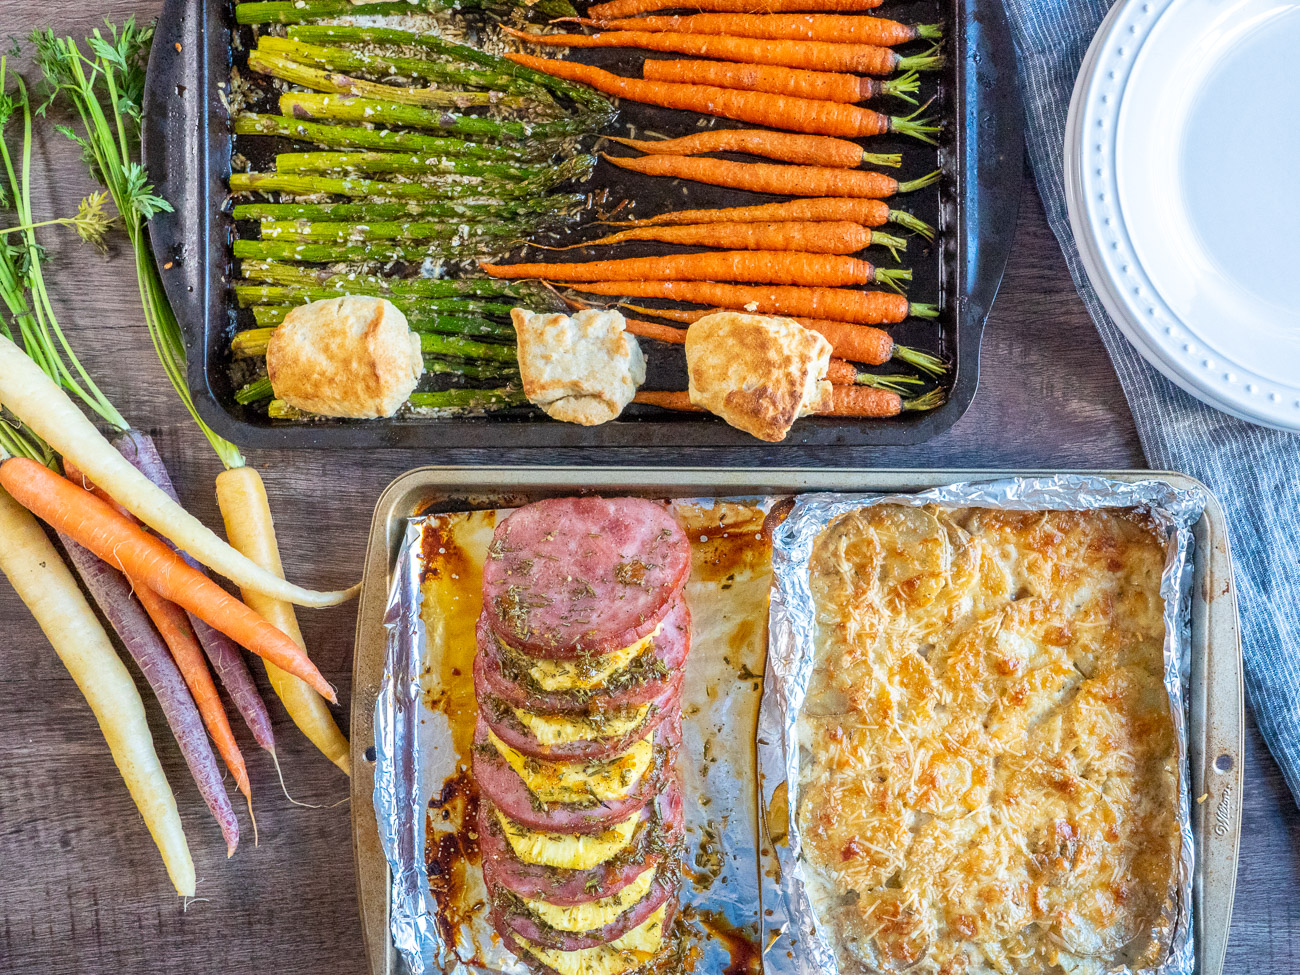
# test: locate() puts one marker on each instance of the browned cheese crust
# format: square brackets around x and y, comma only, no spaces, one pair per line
[989,773]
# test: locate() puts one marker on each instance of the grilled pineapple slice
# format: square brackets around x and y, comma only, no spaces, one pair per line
[568,851]
[594,914]
[631,951]
[578,781]
[558,729]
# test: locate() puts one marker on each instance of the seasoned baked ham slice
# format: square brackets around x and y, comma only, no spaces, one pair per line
[520,727]
[506,674]
[567,578]
[499,781]
[661,829]
[510,913]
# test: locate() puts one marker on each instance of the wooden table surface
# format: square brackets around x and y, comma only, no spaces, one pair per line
[81,886]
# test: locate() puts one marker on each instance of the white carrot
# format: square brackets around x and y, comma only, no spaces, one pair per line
[43,582]
[247,513]
[36,400]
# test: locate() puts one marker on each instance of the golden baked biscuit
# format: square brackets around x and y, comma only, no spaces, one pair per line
[760,374]
[580,369]
[352,356]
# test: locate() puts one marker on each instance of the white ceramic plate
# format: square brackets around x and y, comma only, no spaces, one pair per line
[1183,183]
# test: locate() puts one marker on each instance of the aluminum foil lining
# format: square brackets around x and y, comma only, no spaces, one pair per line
[400,797]
[728,592]
[797,943]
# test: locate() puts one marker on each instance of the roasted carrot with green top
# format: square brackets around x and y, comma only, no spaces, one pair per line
[869,213]
[778,111]
[839,370]
[829,28]
[630,8]
[812,236]
[90,522]
[773,178]
[792,147]
[859,343]
[863,401]
[837,304]
[818,55]
[765,267]
[831,86]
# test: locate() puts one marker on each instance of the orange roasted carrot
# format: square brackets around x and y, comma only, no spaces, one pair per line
[812,236]
[763,267]
[779,111]
[839,370]
[793,147]
[861,343]
[771,177]
[821,56]
[869,213]
[630,8]
[863,401]
[95,525]
[831,28]
[651,330]
[832,86]
[839,304]
[667,400]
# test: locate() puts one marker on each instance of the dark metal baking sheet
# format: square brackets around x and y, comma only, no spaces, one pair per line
[187,148]
[1215,702]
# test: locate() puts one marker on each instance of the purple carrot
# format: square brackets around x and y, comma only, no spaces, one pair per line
[222,653]
[112,593]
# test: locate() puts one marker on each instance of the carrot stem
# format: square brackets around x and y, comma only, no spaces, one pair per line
[914,224]
[926,401]
[930,364]
[893,278]
[929,179]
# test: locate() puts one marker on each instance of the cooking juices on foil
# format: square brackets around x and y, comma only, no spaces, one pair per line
[973,734]
[426,716]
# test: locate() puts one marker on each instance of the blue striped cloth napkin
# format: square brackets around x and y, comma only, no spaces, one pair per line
[1255,472]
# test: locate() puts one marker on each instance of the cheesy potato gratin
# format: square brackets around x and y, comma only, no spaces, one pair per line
[989,767]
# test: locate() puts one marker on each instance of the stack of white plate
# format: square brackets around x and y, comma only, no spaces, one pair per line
[1182,161]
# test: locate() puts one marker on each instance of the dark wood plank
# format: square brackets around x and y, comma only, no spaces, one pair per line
[82,888]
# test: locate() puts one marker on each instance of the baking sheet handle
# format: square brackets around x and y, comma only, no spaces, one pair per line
[1216,753]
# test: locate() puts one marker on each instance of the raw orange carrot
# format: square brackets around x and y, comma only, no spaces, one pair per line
[815,237]
[778,111]
[831,28]
[861,343]
[175,629]
[771,177]
[793,147]
[630,8]
[831,86]
[767,267]
[93,524]
[856,58]
[840,304]
[869,213]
